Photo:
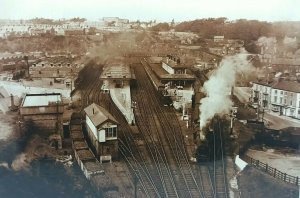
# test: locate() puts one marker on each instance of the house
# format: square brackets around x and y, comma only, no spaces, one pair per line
[102,129]
[261,94]
[286,65]
[218,38]
[282,97]
[285,98]
[44,112]
[58,69]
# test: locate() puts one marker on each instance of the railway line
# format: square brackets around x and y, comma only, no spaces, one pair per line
[213,174]
[169,134]
[161,166]
[91,92]
[127,146]
[219,174]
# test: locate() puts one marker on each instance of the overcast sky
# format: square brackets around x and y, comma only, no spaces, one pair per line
[161,10]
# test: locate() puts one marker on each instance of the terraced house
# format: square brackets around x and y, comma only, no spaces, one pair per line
[282,97]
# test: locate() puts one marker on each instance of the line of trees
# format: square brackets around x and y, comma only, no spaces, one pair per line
[247,30]
[240,29]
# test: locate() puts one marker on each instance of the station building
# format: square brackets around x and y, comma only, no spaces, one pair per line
[45,113]
[117,79]
[102,129]
[172,77]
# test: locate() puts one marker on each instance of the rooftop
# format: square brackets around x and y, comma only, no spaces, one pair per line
[164,75]
[282,85]
[174,63]
[286,61]
[264,82]
[98,114]
[287,86]
[34,100]
[116,71]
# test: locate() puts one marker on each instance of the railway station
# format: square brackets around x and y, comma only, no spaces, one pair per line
[173,79]
[117,78]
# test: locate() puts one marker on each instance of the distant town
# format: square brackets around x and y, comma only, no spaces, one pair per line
[203,108]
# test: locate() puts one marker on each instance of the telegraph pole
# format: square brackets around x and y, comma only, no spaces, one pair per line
[232,117]
[135,182]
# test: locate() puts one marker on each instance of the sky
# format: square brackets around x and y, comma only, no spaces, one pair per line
[145,10]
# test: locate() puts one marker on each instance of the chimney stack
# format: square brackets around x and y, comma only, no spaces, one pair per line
[27,65]
[12,100]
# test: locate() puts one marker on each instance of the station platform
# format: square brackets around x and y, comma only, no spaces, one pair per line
[122,98]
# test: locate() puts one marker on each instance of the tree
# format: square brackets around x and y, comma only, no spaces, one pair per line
[161,27]
[172,23]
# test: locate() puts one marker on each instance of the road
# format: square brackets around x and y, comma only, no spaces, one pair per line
[275,121]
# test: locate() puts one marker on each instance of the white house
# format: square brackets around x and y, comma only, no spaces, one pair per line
[102,130]
[286,98]
[282,97]
[261,95]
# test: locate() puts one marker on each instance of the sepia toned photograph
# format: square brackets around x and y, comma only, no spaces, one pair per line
[149,99]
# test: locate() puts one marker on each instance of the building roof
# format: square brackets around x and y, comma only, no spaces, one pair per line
[34,100]
[98,114]
[264,83]
[164,75]
[174,64]
[116,71]
[285,61]
[287,86]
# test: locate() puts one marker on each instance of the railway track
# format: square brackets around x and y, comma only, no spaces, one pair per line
[172,138]
[91,92]
[148,127]
[213,174]
[205,181]
[219,174]
[164,169]
[129,150]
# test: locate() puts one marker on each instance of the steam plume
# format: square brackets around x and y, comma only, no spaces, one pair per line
[217,88]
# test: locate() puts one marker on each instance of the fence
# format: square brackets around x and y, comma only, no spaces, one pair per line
[272,171]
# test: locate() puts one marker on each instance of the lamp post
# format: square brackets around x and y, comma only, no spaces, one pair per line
[232,117]
[135,182]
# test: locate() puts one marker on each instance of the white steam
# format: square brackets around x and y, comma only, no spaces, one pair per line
[267,41]
[4,164]
[288,40]
[21,162]
[217,88]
